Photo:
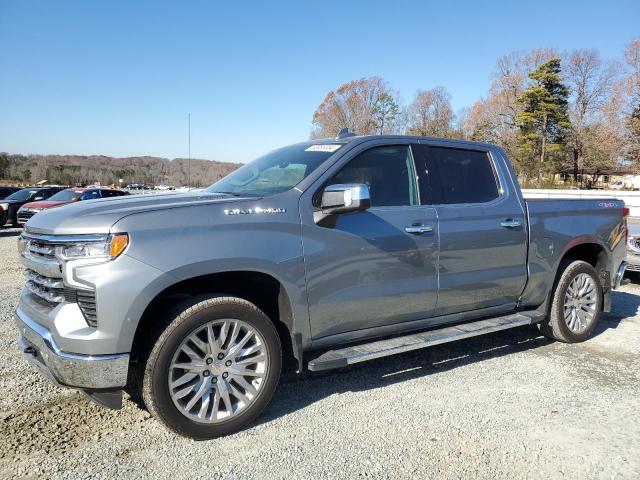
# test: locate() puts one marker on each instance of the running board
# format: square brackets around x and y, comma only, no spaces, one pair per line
[382,348]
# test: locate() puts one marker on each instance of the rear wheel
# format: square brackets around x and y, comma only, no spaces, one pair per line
[576,304]
[214,369]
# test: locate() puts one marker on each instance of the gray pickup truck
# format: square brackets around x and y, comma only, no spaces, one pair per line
[315,256]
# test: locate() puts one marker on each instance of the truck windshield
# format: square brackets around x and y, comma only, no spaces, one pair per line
[277,171]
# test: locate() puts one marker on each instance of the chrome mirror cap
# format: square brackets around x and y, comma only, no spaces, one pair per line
[345,198]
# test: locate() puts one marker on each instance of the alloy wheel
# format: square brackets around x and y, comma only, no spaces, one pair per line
[218,370]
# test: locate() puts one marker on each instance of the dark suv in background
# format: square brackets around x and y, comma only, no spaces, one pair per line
[9,206]
[6,191]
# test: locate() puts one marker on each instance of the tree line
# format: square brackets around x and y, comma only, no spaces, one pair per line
[87,169]
[551,111]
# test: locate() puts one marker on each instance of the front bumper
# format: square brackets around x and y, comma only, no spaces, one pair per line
[87,372]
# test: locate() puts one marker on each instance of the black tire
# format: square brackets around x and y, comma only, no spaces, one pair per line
[556,327]
[193,314]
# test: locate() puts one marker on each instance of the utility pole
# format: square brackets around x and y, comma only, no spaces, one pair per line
[189,160]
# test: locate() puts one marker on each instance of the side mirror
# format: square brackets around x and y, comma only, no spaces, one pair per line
[345,198]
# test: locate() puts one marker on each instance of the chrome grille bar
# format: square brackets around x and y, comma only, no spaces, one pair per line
[44,282]
[47,267]
[48,295]
[61,239]
[42,249]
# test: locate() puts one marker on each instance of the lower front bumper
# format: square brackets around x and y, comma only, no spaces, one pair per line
[87,372]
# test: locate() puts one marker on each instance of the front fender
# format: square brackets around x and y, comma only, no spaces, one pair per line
[202,240]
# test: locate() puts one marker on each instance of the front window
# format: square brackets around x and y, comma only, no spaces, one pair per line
[277,171]
[388,172]
[66,195]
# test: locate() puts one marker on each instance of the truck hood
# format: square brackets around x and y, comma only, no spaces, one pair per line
[98,216]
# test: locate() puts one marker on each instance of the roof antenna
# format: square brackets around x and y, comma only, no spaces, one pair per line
[344,133]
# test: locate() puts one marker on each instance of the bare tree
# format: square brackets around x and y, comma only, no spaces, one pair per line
[365,106]
[431,113]
[590,80]
[631,88]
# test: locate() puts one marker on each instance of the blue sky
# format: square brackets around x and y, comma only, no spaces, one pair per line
[119,77]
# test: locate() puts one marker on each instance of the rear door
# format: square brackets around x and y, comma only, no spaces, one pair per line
[482,226]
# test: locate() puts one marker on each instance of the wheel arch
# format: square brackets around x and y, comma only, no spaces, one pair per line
[589,250]
[262,289]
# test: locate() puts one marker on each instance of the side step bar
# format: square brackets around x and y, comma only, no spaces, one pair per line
[382,348]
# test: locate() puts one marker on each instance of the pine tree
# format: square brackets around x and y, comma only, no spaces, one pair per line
[633,136]
[544,121]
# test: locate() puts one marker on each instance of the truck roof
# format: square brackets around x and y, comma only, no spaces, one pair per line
[362,138]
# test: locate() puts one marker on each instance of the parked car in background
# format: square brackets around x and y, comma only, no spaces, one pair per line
[6,191]
[633,248]
[139,186]
[9,206]
[63,197]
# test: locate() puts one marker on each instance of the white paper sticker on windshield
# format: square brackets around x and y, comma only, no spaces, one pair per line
[322,148]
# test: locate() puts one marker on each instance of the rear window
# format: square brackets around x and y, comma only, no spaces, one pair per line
[463,176]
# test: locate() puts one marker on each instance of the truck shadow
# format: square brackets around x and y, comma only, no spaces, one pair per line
[297,392]
[624,305]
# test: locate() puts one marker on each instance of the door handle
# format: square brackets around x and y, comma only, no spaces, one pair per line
[418,229]
[510,223]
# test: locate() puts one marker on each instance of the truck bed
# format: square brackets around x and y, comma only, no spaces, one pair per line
[555,225]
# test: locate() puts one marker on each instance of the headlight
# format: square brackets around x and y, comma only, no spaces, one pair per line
[4,206]
[109,249]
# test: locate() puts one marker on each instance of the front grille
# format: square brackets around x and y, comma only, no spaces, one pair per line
[45,283]
[25,215]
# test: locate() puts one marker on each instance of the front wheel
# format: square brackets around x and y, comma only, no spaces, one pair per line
[214,369]
[576,304]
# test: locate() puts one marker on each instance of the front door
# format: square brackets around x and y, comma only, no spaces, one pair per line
[367,269]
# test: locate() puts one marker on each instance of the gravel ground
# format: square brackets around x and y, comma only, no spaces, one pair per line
[507,405]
